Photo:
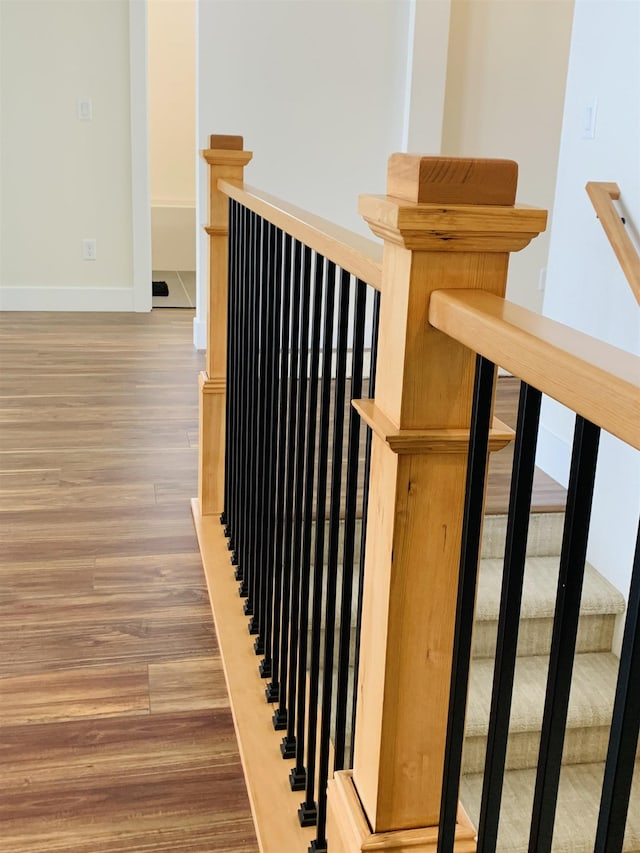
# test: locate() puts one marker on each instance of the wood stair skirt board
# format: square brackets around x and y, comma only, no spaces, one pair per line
[273,805]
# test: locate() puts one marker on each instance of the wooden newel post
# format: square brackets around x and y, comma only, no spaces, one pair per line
[446,223]
[226,159]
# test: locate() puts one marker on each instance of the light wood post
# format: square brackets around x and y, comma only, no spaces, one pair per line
[446,223]
[226,159]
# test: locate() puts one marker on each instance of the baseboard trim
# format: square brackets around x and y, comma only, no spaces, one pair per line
[68,298]
[199,334]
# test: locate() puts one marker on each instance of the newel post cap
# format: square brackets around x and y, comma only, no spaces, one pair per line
[452,180]
[449,204]
[226,149]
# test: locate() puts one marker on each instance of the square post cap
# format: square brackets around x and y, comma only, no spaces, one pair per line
[452,180]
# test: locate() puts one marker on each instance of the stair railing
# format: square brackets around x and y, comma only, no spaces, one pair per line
[602,196]
[448,226]
[601,384]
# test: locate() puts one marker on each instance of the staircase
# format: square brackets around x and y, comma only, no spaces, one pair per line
[593,687]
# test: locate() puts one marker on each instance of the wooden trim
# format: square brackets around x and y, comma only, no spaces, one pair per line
[452,227]
[349,830]
[592,378]
[226,157]
[416,441]
[355,254]
[213,384]
[602,196]
[273,804]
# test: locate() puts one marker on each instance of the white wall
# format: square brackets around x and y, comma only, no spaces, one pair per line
[585,286]
[64,179]
[505,92]
[172,132]
[316,88]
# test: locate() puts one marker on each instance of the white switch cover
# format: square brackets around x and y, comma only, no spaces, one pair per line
[85,109]
[589,120]
[542,278]
[89,249]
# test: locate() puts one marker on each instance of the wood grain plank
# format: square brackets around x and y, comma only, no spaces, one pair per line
[187,685]
[113,574]
[67,694]
[141,640]
[83,783]
[54,496]
[45,577]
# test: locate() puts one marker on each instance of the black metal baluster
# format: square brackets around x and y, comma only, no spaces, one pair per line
[353,455]
[252,518]
[267,449]
[242,365]
[256,437]
[262,316]
[234,379]
[275,274]
[229,454]
[565,628]
[280,715]
[307,813]
[524,460]
[273,688]
[365,501]
[298,776]
[231,431]
[248,545]
[467,581]
[625,724]
[320,843]
[288,747]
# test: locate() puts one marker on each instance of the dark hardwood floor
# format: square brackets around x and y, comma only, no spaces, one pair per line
[115,729]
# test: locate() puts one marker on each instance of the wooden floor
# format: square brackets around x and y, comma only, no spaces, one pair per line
[115,730]
[548,496]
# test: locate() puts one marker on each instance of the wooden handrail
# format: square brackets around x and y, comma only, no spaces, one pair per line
[355,254]
[602,196]
[596,380]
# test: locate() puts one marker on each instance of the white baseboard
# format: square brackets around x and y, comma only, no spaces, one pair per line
[173,237]
[67,299]
[199,334]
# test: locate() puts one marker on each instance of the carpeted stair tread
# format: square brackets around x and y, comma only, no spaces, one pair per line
[539,592]
[590,708]
[600,605]
[577,814]
[592,690]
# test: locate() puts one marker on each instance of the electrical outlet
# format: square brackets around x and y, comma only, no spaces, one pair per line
[89,249]
[85,109]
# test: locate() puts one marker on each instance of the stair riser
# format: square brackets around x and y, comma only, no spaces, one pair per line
[595,634]
[582,746]
[544,539]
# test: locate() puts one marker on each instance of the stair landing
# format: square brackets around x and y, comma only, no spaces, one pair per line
[548,496]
